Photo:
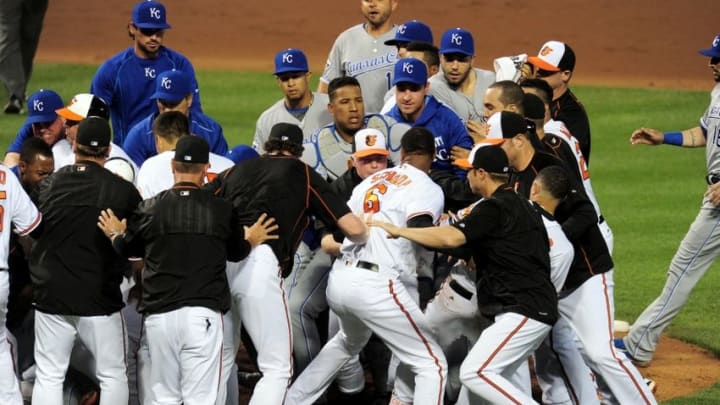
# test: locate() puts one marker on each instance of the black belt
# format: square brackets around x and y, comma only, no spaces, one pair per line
[712,179]
[460,290]
[361,264]
[601,219]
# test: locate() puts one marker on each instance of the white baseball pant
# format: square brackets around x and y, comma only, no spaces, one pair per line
[259,302]
[369,301]
[185,346]
[590,312]
[501,349]
[9,384]
[104,336]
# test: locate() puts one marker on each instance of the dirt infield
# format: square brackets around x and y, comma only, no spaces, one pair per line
[637,44]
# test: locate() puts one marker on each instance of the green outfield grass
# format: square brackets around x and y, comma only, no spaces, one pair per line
[649,195]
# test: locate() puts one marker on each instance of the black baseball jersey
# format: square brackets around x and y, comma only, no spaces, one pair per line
[555,146]
[285,188]
[511,252]
[577,216]
[568,109]
[73,266]
[522,180]
[186,235]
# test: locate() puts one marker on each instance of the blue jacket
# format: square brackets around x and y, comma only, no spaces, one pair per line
[140,141]
[25,132]
[446,126]
[126,82]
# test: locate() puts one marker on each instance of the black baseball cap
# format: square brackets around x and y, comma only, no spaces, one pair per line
[285,132]
[534,107]
[491,158]
[192,149]
[505,125]
[94,132]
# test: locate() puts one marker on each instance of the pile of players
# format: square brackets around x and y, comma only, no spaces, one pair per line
[440,214]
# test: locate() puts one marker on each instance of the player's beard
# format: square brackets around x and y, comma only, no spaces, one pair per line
[150,52]
[457,82]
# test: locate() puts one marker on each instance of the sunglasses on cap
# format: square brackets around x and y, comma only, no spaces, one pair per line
[456,56]
[148,32]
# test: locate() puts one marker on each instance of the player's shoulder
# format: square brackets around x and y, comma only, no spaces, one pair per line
[174,55]
[143,127]
[219,163]
[199,121]
[484,77]
[351,33]
[272,114]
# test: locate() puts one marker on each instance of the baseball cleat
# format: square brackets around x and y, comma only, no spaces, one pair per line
[652,385]
[619,344]
[14,106]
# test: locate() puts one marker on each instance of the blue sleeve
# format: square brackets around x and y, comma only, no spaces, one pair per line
[24,133]
[186,66]
[102,84]
[219,145]
[139,143]
[458,136]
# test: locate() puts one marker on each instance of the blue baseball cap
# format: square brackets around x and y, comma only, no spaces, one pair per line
[714,50]
[42,105]
[412,31]
[241,153]
[457,40]
[150,14]
[410,70]
[172,85]
[290,60]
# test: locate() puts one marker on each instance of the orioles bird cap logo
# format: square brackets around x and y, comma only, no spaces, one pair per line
[546,51]
[370,140]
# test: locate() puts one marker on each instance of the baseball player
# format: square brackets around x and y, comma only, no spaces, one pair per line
[307,298]
[185,294]
[330,149]
[42,122]
[514,289]
[75,272]
[299,106]
[20,215]
[411,31]
[125,81]
[364,287]
[550,131]
[697,251]
[461,86]
[155,174]
[82,106]
[285,188]
[360,52]
[173,92]
[555,64]
[424,51]
[416,108]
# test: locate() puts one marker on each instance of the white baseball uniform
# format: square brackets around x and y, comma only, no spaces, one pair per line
[63,159]
[19,214]
[358,54]
[155,175]
[558,128]
[317,116]
[365,291]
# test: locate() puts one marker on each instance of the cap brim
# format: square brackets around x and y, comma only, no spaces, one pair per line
[463,163]
[279,72]
[710,52]
[41,118]
[67,114]
[167,97]
[370,152]
[538,62]
[454,50]
[152,26]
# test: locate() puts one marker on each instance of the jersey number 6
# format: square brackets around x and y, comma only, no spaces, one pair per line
[372,198]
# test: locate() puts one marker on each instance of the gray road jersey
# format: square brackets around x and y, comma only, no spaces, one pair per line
[317,116]
[711,122]
[356,53]
[465,107]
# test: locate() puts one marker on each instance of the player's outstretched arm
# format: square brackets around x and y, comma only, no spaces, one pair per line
[353,228]
[690,138]
[261,231]
[439,237]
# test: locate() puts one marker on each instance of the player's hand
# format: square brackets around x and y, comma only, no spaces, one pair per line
[457,152]
[329,245]
[646,136]
[392,230]
[110,224]
[477,130]
[713,194]
[261,230]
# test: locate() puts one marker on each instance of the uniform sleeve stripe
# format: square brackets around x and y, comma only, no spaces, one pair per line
[419,214]
[32,226]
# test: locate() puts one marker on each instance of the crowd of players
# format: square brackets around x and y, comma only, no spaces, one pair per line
[443,213]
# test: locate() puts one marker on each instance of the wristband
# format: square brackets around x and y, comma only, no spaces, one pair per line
[673,138]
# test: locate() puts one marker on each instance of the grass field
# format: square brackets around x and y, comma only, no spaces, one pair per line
[649,195]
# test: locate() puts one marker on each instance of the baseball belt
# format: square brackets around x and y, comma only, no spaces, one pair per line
[712,178]
[460,290]
[362,264]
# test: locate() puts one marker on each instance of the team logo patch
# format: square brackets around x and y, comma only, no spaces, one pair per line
[546,51]
[370,140]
